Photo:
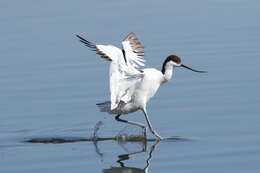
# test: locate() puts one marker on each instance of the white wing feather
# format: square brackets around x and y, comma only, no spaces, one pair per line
[134,51]
[124,75]
[117,73]
[111,51]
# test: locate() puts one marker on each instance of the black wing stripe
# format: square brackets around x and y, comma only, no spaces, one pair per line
[123,51]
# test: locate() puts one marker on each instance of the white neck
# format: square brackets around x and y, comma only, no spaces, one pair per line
[168,70]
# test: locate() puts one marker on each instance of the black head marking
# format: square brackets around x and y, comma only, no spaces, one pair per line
[173,58]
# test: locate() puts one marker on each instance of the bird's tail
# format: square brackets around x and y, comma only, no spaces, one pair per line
[104,106]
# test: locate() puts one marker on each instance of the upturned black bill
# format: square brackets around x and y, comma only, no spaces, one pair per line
[193,69]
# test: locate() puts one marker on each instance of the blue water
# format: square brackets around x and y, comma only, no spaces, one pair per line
[49,84]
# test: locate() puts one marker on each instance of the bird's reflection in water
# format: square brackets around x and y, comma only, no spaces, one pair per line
[122,168]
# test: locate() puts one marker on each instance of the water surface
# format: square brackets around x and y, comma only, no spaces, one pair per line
[49,84]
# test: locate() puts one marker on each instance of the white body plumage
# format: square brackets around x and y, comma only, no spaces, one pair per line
[131,87]
[143,92]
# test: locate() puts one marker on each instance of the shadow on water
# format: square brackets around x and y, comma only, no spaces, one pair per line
[122,138]
[55,140]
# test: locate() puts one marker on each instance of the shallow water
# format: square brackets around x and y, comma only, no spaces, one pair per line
[50,83]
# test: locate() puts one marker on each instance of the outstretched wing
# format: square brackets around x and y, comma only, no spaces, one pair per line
[134,58]
[123,77]
[107,52]
[134,51]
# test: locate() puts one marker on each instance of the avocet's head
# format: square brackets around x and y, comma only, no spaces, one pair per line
[175,61]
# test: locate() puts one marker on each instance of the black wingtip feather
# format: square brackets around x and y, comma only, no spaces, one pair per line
[86,42]
[93,47]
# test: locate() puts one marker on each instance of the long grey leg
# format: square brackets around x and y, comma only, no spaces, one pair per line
[150,125]
[132,123]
